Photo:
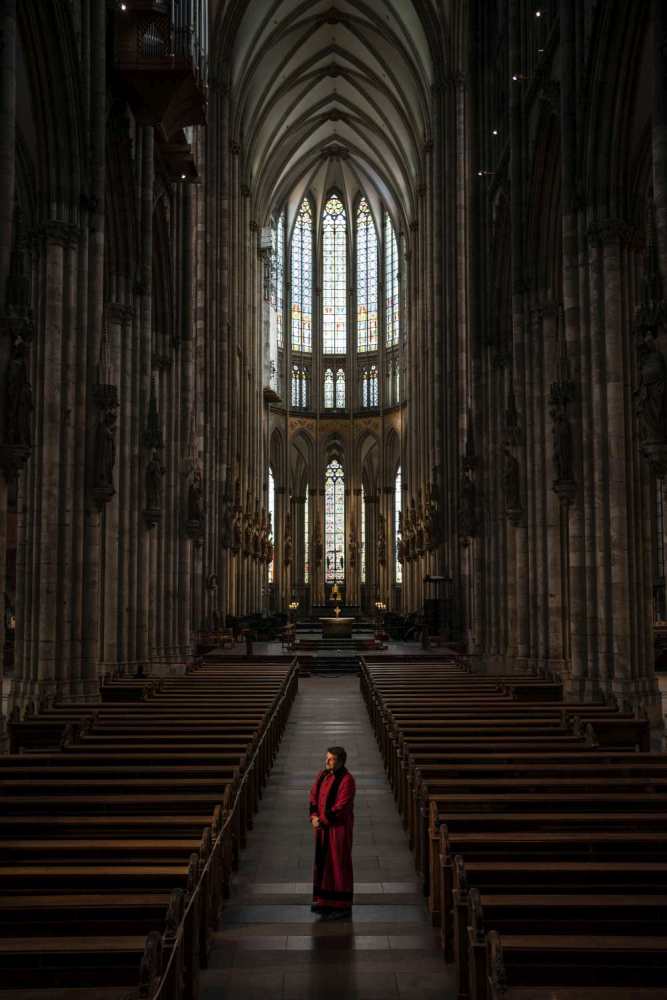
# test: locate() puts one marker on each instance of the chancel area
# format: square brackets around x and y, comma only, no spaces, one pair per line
[333,414]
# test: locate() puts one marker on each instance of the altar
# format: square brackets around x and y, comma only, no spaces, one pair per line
[337,628]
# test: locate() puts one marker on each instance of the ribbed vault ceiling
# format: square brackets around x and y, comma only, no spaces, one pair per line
[331,95]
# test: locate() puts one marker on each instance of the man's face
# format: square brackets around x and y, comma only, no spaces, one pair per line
[330,762]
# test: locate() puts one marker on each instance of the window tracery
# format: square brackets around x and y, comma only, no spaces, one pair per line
[391,287]
[334,522]
[301,270]
[334,277]
[367,280]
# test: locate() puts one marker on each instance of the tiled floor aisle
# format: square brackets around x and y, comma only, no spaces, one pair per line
[270,945]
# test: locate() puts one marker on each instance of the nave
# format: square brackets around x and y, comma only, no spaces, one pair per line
[270,945]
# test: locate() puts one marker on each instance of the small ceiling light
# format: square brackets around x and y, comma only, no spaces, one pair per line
[538,13]
[123,6]
[183,177]
[494,131]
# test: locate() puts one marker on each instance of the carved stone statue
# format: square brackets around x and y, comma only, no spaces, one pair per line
[105,450]
[562,445]
[511,481]
[18,404]
[400,544]
[287,547]
[382,541]
[412,551]
[236,531]
[154,473]
[352,548]
[196,497]
[468,506]
[431,532]
[227,526]
[652,393]
[318,546]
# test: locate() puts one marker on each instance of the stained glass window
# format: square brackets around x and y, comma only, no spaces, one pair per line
[278,283]
[301,267]
[272,512]
[398,501]
[363,535]
[306,539]
[334,522]
[299,394]
[370,394]
[397,381]
[328,389]
[334,277]
[340,389]
[391,296]
[367,280]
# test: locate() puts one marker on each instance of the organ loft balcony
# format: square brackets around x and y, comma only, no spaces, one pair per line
[161,58]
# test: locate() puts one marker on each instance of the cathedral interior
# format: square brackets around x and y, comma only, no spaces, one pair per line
[318,309]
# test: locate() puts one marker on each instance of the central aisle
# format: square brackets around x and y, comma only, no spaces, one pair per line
[270,945]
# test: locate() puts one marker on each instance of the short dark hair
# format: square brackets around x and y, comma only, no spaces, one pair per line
[339,754]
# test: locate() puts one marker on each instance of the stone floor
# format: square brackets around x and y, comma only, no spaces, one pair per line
[270,945]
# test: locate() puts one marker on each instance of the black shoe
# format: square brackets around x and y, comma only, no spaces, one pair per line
[339,915]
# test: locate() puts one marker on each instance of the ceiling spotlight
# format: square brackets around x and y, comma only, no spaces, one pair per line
[518,76]
[123,6]
[183,177]
[538,13]
[494,131]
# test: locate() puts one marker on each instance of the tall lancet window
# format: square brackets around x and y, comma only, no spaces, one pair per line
[334,277]
[306,539]
[398,506]
[334,522]
[278,284]
[340,389]
[271,500]
[367,280]
[370,392]
[391,292]
[329,389]
[299,393]
[301,269]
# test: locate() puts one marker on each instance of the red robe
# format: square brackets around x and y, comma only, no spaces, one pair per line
[332,800]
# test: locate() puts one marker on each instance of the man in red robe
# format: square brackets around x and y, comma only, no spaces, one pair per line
[332,819]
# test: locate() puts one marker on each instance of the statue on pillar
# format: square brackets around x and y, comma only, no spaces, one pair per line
[236,532]
[105,451]
[268,551]
[431,532]
[196,497]
[247,529]
[352,547]
[153,482]
[468,506]
[400,544]
[318,547]
[288,544]
[651,395]
[227,534]
[381,541]
[18,399]
[511,484]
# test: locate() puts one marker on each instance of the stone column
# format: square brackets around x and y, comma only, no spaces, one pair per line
[7,162]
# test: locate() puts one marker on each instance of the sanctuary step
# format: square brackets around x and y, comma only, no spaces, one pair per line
[329,664]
